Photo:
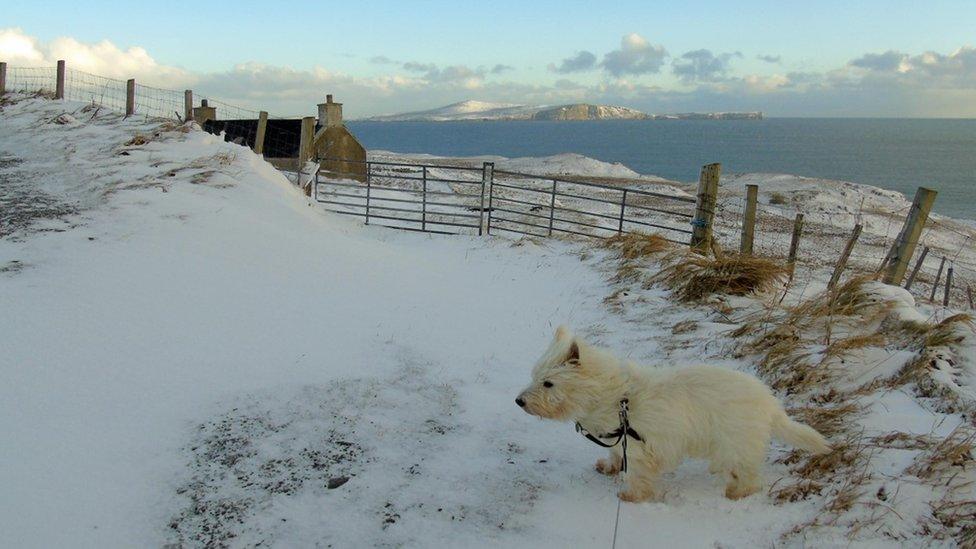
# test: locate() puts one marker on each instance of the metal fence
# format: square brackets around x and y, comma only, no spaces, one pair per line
[458,199]
[419,197]
[543,206]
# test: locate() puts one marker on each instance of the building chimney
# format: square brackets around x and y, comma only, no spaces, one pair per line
[204,112]
[330,113]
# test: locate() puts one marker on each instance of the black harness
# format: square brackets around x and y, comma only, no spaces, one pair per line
[618,435]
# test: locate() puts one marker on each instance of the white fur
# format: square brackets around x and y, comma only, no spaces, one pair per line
[721,415]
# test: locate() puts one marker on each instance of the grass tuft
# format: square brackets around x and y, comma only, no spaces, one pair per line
[694,277]
[637,244]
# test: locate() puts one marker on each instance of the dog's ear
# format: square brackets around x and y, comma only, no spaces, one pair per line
[562,332]
[574,352]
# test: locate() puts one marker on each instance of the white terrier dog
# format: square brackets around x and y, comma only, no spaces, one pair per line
[724,416]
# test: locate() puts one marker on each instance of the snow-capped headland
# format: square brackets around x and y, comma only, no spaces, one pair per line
[482,110]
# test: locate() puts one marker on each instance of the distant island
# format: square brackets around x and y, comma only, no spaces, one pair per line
[481,110]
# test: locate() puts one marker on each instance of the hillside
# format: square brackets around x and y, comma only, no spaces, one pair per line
[196,355]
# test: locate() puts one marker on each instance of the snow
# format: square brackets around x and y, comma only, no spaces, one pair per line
[192,351]
[565,164]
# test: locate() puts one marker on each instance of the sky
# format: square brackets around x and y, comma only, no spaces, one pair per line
[867,58]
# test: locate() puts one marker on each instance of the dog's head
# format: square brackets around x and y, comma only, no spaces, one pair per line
[561,384]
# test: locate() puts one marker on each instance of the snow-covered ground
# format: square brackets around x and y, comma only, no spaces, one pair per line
[193,353]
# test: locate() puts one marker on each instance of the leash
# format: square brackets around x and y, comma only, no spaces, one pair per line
[620,434]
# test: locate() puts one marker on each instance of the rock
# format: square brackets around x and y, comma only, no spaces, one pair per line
[336,482]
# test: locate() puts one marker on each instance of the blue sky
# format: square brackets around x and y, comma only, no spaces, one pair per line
[395,56]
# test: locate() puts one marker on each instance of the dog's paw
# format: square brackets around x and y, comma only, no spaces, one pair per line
[739,492]
[607,467]
[634,496]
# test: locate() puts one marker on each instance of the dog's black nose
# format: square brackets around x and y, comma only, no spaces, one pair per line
[520,402]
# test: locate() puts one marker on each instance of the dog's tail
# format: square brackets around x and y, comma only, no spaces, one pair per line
[799,435]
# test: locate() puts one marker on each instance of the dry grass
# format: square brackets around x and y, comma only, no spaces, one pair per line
[959,517]
[844,346]
[637,244]
[902,441]
[627,271]
[778,198]
[945,459]
[848,299]
[814,472]
[932,341]
[694,277]
[138,140]
[828,420]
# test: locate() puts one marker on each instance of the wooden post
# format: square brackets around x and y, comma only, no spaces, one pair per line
[938,276]
[795,243]
[262,130]
[487,175]
[969,295]
[487,181]
[749,219]
[701,232]
[904,247]
[307,138]
[552,207]
[3,77]
[844,256]
[130,97]
[918,266]
[59,84]
[948,288]
[187,105]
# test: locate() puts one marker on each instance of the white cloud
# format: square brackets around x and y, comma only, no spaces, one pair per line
[636,56]
[891,83]
[103,58]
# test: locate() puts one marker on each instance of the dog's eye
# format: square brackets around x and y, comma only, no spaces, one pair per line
[547,384]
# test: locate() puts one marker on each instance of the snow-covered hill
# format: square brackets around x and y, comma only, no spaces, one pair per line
[480,110]
[193,354]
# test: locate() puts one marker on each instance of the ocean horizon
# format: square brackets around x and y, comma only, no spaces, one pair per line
[899,154]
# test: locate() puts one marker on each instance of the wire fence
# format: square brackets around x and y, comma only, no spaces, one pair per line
[825,235]
[31,79]
[111,93]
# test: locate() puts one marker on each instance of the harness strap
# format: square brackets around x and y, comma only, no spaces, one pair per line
[620,434]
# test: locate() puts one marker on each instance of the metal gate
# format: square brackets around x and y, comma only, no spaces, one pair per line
[418,197]
[544,206]
[451,199]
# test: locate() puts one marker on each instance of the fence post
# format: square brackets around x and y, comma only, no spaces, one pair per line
[623,206]
[938,277]
[552,206]
[187,105]
[487,174]
[130,97]
[749,220]
[701,233]
[491,190]
[918,266]
[423,206]
[306,138]
[904,246]
[368,185]
[795,243]
[259,135]
[948,288]
[844,256]
[3,77]
[59,84]
[969,295]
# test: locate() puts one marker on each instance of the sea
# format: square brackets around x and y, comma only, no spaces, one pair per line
[896,154]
